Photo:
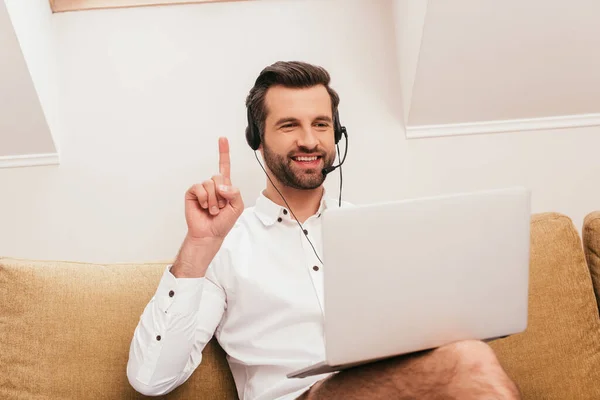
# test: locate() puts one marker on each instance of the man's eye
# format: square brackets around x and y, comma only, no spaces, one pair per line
[287,126]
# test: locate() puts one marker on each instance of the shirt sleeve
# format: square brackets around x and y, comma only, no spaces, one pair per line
[172,332]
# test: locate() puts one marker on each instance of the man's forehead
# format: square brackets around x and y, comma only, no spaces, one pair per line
[280,99]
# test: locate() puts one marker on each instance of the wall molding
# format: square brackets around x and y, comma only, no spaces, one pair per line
[515,125]
[29,160]
[77,5]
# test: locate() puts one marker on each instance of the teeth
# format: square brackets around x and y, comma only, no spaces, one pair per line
[306,158]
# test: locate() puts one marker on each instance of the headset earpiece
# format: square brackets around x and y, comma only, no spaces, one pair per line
[252,133]
[338,129]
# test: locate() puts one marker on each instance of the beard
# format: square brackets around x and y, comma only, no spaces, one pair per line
[298,178]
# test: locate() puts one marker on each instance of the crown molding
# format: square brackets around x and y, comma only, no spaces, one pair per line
[515,125]
[77,5]
[29,160]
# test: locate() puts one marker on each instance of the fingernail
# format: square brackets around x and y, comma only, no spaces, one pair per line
[214,209]
[204,205]
[221,204]
[223,188]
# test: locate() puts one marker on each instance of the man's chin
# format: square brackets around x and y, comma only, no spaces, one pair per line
[304,178]
[308,184]
[311,185]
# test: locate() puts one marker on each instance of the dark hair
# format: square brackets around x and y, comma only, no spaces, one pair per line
[291,74]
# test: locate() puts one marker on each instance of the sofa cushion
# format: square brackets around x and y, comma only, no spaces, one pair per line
[558,356]
[591,246]
[65,331]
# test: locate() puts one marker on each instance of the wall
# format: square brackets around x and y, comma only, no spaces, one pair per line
[25,87]
[145,93]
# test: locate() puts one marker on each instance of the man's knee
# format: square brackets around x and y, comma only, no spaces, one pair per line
[470,354]
[470,349]
[476,361]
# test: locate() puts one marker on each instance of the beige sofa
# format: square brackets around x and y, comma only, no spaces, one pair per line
[65,327]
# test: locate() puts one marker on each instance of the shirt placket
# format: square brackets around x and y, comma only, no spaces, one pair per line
[312,263]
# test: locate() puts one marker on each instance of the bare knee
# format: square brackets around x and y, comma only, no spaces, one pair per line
[478,368]
[468,350]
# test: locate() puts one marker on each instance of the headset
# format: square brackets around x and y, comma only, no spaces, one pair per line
[254,141]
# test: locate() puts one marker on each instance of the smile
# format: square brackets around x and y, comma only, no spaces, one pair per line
[306,159]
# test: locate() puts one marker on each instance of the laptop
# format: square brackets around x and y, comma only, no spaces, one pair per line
[412,275]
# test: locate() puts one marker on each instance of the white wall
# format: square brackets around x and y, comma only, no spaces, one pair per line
[144,94]
[25,86]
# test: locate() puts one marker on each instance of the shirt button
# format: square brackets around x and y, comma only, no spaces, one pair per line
[284,211]
[279,219]
[171,293]
[158,338]
[305,232]
[315,268]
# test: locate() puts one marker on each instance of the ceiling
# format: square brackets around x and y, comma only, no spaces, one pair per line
[25,136]
[478,62]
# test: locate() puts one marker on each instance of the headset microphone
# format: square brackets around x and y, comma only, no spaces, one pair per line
[332,168]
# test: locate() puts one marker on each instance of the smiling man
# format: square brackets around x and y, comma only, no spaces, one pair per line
[248,276]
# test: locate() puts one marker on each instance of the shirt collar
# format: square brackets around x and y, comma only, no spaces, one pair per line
[269,212]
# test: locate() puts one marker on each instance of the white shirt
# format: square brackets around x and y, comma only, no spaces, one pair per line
[262,298]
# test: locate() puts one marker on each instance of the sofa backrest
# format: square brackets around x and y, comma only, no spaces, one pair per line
[65,330]
[558,356]
[591,246]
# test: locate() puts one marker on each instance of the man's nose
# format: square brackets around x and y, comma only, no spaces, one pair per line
[308,138]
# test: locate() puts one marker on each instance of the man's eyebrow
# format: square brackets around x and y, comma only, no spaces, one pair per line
[285,120]
[323,118]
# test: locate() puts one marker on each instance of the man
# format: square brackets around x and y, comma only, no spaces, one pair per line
[251,277]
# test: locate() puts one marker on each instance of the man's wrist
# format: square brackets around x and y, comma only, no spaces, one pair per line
[195,256]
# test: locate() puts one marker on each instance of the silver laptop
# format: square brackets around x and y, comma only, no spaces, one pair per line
[412,275]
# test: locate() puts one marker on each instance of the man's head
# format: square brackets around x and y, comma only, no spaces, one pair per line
[293,108]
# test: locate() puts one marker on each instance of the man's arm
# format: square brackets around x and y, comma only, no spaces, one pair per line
[172,332]
[176,325]
[189,303]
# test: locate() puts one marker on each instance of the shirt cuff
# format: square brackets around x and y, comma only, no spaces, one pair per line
[179,296]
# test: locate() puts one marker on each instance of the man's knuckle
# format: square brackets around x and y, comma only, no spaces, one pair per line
[195,189]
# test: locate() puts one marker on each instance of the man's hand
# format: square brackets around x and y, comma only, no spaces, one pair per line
[213,206]
[211,210]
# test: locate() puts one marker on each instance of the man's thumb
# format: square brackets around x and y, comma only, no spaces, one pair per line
[230,193]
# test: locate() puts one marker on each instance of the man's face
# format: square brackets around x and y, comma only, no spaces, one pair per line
[299,137]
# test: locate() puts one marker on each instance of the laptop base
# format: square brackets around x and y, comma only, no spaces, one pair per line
[324,368]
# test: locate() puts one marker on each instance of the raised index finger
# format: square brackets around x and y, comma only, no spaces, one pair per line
[224,162]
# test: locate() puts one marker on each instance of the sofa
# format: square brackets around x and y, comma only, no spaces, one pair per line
[65,327]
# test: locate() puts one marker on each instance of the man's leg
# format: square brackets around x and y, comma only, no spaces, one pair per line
[464,370]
